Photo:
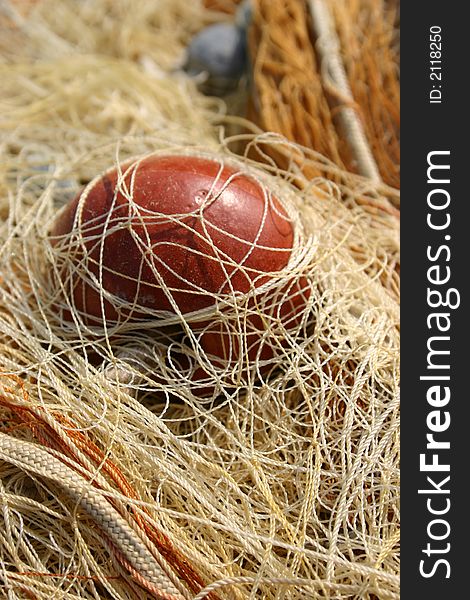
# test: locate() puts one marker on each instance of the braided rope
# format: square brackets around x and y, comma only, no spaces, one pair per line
[34,459]
[335,76]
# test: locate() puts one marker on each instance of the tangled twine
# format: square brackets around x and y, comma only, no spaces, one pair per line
[289,475]
[117,478]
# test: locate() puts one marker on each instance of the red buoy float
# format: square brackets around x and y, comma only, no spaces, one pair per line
[193,226]
[174,233]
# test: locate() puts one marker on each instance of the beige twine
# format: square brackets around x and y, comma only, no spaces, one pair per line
[117,479]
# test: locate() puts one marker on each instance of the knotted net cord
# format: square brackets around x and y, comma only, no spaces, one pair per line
[280,483]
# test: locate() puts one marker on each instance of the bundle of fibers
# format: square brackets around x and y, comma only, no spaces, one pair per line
[158,31]
[326,75]
[224,6]
[133,464]
[368,33]
[119,477]
[288,94]
[116,473]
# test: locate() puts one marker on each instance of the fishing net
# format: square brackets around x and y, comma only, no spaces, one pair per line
[135,462]
[326,75]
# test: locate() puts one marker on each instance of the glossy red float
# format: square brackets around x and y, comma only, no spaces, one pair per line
[201,228]
[172,233]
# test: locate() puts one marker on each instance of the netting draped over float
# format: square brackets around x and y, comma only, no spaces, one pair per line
[136,461]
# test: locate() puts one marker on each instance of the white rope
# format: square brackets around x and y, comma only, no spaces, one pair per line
[334,73]
[285,483]
[33,459]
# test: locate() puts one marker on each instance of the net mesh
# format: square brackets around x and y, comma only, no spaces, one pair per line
[132,462]
[297,89]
